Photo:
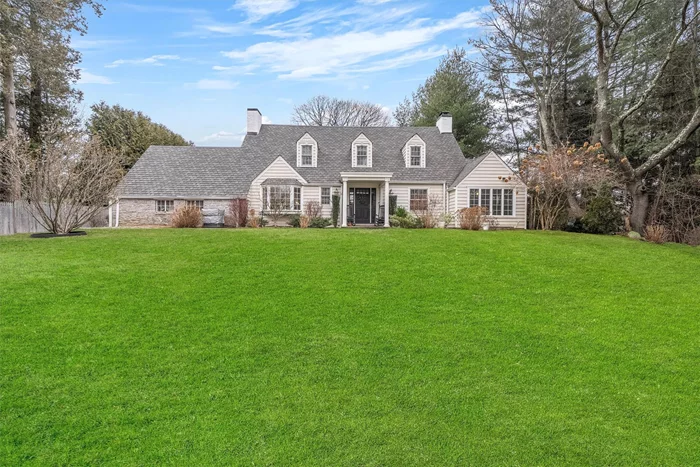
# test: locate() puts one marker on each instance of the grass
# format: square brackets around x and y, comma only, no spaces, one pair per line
[348,347]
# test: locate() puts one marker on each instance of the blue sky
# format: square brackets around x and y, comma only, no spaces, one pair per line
[195,66]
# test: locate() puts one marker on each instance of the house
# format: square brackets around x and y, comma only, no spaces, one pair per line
[283,167]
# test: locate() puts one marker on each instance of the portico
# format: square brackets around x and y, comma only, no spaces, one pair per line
[365,198]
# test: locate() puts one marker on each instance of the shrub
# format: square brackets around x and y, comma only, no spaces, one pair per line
[602,216]
[336,209]
[693,237]
[294,221]
[472,218]
[319,222]
[409,221]
[447,219]
[401,211]
[187,217]
[393,199]
[312,209]
[304,221]
[253,221]
[655,233]
[238,213]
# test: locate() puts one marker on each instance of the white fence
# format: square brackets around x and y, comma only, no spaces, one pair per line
[16,218]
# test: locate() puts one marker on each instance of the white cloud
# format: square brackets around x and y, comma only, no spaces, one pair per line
[373,2]
[90,78]
[223,136]
[82,43]
[258,9]
[155,60]
[351,52]
[216,84]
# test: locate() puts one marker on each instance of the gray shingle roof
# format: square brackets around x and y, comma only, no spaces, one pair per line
[200,172]
[280,181]
[444,159]
[188,172]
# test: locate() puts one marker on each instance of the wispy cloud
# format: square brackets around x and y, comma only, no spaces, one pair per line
[215,84]
[155,60]
[90,78]
[162,9]
[82,43]
[259,9]
[352,52]
[373,2]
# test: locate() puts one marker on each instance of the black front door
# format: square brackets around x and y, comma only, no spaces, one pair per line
[362,206]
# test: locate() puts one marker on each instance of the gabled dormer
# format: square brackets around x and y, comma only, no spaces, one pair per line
[307,151]
[362,152]
[414,152]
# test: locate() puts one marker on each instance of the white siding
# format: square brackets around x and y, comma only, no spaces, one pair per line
[403,193]
[414,141]
[485,175]
[307,139]
[362,140]
[278,169]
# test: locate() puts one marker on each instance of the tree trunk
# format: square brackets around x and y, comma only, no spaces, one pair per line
[35,108]
[8,91]
[640,205]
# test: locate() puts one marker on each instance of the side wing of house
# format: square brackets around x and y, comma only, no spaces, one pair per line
[279,169]
[410,195]
[493,185]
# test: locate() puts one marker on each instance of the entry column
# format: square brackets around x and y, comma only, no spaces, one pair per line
[386,203]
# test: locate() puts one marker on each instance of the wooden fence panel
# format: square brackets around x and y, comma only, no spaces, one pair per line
[16,218]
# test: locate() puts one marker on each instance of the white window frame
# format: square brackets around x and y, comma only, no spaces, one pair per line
[365,148]
[419,156]
[307,140]
[198,203]
[410,198]
[168,205]
[310,155]
[330,196]
[481,190]
[415,141]
[292,204]
[362,140]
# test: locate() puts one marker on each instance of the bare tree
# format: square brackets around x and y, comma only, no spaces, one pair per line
[613,22]
[330,111]
[532,39]
[68,183]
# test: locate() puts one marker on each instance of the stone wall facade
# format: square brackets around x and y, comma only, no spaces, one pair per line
[142,212]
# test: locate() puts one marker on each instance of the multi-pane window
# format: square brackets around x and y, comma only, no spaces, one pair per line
[165,205]
[199,204]
[325,196]
[306,154]
[361,155]
[473,197]
[486,200]
[419,200]
[415,156]
[507,202]
[496,201]
[297,198]
[277,198]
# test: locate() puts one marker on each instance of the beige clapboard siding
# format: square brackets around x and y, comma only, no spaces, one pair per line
[485,175]
[403,193]
[278,169]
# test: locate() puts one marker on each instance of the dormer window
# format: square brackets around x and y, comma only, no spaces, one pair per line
[361,155]
[362,152]
[414,152]
[307,154]
[307,151]
[415,156]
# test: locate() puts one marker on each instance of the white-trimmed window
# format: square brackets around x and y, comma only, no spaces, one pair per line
[196,203]
[414,152]
[496,201]
[307,151]
[419,199]
[362,155]
[325,195]
[281,198]
[307,155]
[416,155]
[507,202]
[362,152]
[165,205]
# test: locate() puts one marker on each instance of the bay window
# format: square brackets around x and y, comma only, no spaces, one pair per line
[281,198]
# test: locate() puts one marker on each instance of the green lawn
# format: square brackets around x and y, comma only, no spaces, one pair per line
[348,347]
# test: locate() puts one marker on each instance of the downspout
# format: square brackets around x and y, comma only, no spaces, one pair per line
[117,222]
